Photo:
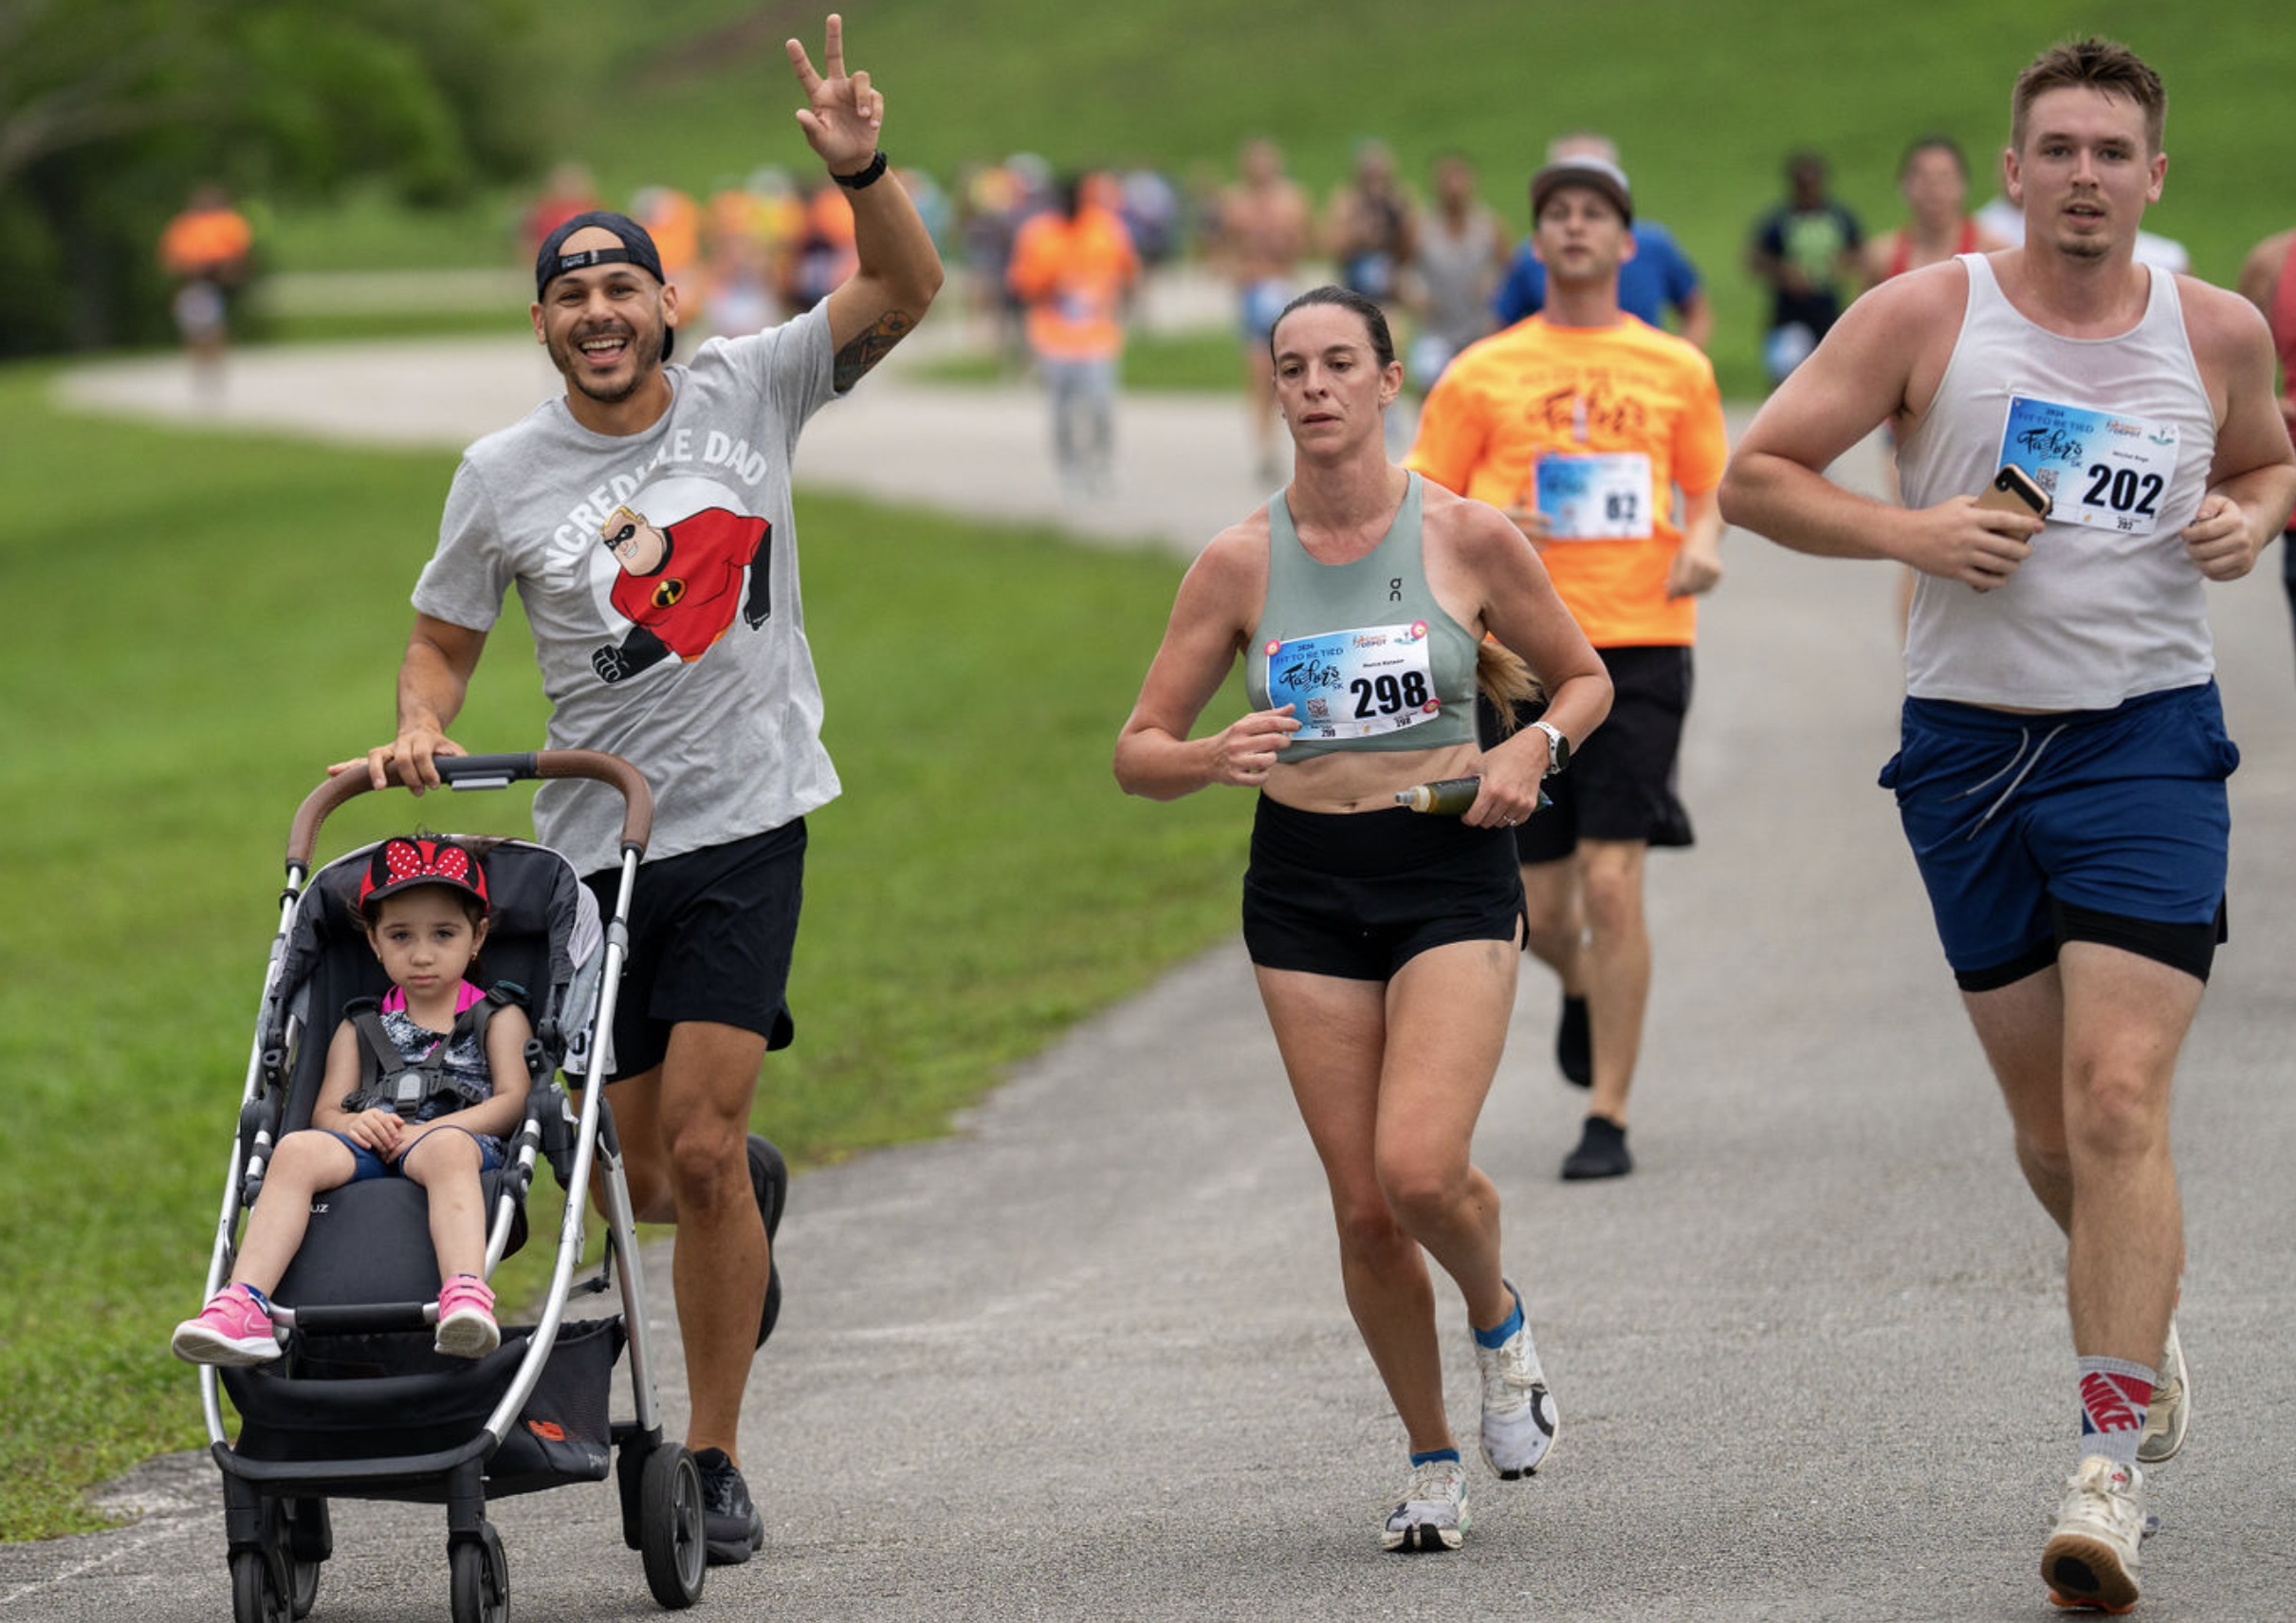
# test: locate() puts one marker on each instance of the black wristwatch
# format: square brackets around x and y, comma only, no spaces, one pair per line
[1558,747]
[861,179]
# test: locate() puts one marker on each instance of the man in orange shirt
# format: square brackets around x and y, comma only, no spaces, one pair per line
[204,248]
[1073,266]
[1582,423]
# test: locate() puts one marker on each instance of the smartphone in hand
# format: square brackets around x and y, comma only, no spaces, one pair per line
[2014,492]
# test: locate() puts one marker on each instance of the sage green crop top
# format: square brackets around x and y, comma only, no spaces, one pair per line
[1363,653]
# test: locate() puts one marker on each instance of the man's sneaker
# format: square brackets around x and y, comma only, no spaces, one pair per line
[769,1177]
[234,1328]
[731,1528]
[2091,1557]
[465,1318]
[1601,1152]
[1574,1043]
[1518,1411]
[2171,1413]
[1433,1515]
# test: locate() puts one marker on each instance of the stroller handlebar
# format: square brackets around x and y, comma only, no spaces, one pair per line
[487,772]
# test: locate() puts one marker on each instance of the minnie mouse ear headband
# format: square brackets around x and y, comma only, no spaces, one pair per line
[401,864]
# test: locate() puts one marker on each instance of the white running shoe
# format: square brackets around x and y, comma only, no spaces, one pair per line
[1518,1411]
[2171,1413]
[2091,1557]
[1433,1515]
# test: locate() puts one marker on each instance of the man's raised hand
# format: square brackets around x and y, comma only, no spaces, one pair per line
[843,112]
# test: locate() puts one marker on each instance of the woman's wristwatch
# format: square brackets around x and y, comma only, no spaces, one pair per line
[1558,747]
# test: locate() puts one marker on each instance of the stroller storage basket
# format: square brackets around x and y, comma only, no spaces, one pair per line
[345,1406]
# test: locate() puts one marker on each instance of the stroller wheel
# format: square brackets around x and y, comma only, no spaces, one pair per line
[670,1527]
[307,1542]
[479,1577]
[256,1594]
[302,1586]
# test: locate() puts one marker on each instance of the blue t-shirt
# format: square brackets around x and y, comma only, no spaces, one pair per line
[1658,277]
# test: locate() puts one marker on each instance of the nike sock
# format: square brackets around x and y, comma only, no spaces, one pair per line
[2115,1395]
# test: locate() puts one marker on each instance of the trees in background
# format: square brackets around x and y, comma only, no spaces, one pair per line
[112,110]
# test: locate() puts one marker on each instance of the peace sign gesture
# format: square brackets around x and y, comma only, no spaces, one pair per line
[845,112]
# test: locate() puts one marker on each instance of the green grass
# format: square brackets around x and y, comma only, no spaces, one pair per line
[358,326]
[364,229]
[1198,362]
[222,618]
[1704,101]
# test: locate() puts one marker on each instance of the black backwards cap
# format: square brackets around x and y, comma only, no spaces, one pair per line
[552,260]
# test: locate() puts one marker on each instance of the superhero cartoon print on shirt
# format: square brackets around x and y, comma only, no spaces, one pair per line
[680,584]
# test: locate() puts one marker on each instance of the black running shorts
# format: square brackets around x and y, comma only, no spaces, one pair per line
[1357,896]
[711,936]
[1621,781]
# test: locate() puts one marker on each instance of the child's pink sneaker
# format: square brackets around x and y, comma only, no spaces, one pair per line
[465,1318]
[234,1328]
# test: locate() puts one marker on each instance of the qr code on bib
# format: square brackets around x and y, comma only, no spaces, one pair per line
[1319,709]
[2046,479]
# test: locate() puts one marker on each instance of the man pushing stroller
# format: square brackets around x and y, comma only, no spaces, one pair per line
[726,728]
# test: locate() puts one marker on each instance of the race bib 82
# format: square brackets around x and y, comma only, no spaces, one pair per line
[1598,496]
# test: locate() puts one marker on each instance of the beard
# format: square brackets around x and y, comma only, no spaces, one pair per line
[610,389]
[603,392]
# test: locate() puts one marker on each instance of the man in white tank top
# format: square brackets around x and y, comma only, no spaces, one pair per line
[2061,772]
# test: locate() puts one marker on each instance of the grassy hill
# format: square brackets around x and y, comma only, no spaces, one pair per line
[1705,100]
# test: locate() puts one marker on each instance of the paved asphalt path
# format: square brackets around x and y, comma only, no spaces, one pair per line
[1086,1358]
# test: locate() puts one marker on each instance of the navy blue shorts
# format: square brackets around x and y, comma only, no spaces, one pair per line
[2095,825]
[1357,895]
[366,1164]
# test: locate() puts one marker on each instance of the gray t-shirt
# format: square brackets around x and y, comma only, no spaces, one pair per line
[1456,270]
[659,573]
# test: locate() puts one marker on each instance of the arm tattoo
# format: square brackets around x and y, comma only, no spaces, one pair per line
[865,351]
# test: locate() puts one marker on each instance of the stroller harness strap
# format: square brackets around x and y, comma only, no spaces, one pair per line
[387,1077]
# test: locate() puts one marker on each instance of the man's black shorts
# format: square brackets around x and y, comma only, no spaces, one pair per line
[2288,567]
[1621,781]
[711,936]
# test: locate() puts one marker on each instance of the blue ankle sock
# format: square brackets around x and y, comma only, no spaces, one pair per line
[1433,1454]
[1495,1339]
